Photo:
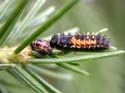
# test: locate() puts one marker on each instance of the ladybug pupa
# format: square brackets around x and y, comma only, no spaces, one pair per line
[41,46]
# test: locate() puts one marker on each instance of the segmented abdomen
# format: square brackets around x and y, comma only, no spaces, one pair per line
[80,41]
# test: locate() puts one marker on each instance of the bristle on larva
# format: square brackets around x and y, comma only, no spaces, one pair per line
[80,41]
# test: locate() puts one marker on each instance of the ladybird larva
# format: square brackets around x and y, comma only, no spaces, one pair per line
[80,41]
[41,46]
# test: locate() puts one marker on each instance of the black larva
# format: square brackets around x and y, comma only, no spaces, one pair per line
[80,41]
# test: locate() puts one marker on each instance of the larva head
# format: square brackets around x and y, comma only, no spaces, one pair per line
[54,40]
[41,46]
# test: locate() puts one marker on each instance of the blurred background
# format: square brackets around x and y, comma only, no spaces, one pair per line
[107,75]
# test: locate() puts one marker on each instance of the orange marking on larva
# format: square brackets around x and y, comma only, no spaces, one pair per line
[93,42]
[78,42]
[87,42]
[82,42]
[74,40]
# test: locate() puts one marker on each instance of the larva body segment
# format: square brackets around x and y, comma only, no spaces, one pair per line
[80,41]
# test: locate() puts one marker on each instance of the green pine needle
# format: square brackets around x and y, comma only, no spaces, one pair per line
[6,66]
[31,14]
[11,21]
[50,73]
[75,58]
[73,68]
[28,79]
[48,87]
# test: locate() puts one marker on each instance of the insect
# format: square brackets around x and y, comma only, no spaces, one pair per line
[41,46]
[80,41]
